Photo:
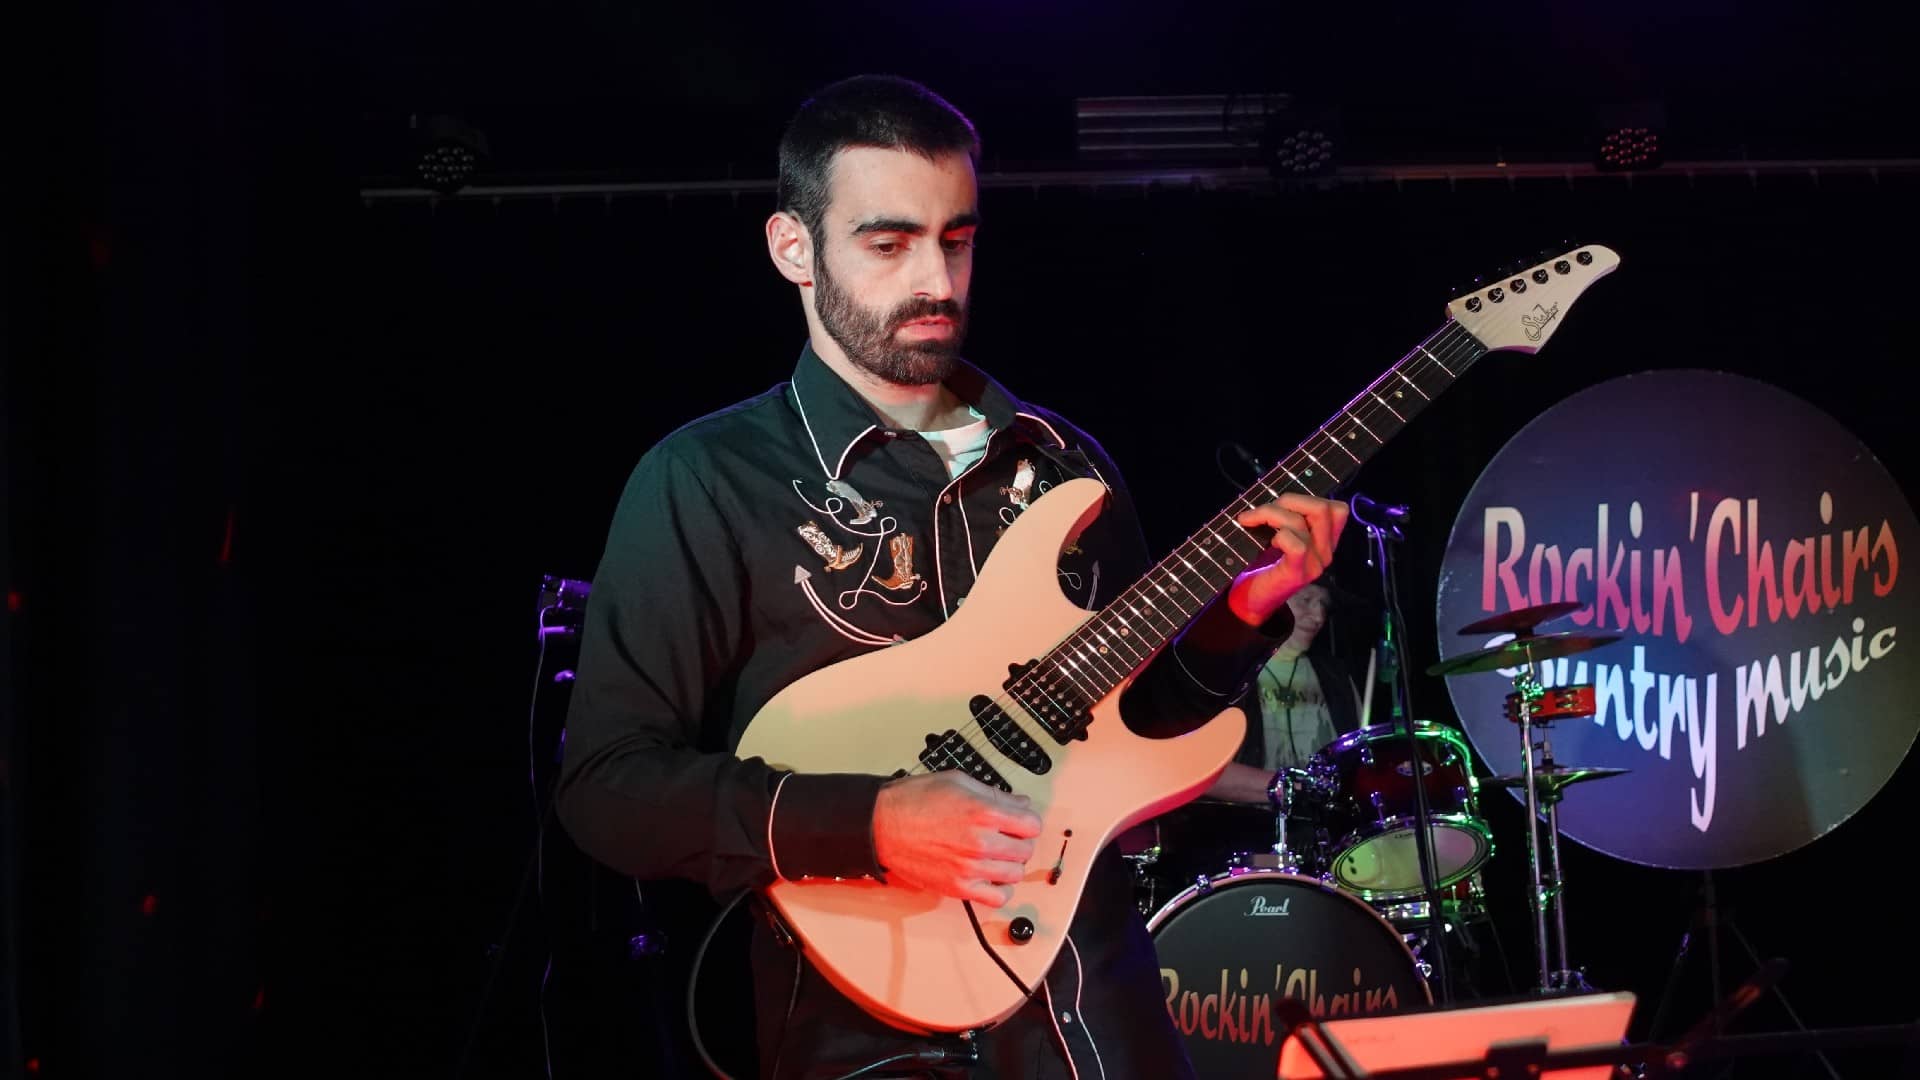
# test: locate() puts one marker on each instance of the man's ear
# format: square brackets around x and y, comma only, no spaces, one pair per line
[790,248]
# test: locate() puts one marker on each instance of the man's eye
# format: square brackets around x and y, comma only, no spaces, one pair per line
[886,247]
[957,243]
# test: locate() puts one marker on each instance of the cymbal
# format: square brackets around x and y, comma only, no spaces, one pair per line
[1555,778]
[1519,651]
[1522,620]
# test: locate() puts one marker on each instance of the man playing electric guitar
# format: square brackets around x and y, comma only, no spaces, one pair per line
[833,516]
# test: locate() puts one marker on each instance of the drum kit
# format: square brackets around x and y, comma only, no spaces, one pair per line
[1322,897]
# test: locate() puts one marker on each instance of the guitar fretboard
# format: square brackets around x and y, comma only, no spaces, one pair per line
[1119,639]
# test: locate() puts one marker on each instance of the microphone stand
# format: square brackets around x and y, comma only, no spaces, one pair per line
[1382,526]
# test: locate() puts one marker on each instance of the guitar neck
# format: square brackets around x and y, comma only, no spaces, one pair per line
[1121,637]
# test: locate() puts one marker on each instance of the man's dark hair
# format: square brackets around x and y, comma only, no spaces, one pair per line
[882,111]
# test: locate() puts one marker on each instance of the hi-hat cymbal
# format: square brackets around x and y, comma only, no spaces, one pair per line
[1520,651]
[1555,778]
[1522,620]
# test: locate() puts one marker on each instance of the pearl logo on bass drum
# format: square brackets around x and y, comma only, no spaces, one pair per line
[1261,907]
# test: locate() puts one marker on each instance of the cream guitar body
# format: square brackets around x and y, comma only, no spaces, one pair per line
[912,958]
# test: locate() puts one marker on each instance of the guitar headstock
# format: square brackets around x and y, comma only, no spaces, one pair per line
[1521,310]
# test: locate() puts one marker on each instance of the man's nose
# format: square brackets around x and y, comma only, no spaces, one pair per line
[932,277]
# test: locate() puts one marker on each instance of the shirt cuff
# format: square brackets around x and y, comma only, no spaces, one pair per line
[821,825]
[1220,652]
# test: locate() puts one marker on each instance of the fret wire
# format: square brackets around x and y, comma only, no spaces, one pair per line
[1216,562]
[1074,682]
[1116,642]
[1342,446]
[1150,607]
[1170,597]
[1242,530]
[1378,441]
[1199,573]
[1131,638]
[1102,658]
[1436,360]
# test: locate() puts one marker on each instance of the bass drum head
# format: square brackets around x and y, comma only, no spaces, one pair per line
[1231,947]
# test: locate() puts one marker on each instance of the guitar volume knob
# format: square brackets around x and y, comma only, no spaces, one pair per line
[1020,930]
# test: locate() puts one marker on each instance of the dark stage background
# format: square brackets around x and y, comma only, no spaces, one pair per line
[285,466]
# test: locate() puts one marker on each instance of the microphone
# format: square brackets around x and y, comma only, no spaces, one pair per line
[1378,516]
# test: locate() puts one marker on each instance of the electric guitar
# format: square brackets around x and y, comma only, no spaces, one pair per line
[1021,689]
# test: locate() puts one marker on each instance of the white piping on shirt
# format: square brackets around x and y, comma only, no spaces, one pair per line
[1080,975]
[939,575]
[771,807]
[832,474]
[846,629]
[1065,1050]
[1043,423]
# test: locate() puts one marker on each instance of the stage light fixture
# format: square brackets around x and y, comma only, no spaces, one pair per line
[1297,151]
[448,149]
[1630,138]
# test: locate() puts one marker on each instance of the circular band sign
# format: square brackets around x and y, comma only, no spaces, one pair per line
[1746,550]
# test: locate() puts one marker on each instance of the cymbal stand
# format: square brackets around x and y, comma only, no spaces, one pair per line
[1547,893]
[1566,977]
[1530,691]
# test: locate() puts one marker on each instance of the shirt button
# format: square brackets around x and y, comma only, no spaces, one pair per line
[947,498]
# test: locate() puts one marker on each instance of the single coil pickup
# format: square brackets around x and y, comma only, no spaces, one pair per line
[953,752]
[1008,736]
[1057,703]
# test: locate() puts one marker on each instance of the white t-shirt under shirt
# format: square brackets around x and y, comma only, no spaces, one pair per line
[1294,716]
[962,446]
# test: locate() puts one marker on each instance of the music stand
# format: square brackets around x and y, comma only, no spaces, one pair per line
[1373,1044]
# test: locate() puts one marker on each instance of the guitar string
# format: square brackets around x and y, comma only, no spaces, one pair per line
[1415,362]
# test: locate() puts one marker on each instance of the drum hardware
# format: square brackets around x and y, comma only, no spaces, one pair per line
[1521,653]
[1557,703]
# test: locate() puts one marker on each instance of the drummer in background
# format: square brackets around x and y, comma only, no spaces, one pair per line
[1302,699]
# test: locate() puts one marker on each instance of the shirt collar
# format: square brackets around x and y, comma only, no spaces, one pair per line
[837,418]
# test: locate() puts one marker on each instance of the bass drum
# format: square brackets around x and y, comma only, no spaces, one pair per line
[1233,945]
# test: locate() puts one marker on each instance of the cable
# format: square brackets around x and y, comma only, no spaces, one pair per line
[918,1057]
[532,873]
[693,983]
[981,936]
[540,834]
[793,998]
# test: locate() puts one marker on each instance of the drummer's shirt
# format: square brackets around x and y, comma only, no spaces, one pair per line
[1293,709]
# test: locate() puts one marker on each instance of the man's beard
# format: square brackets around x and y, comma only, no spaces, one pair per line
[867,337]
